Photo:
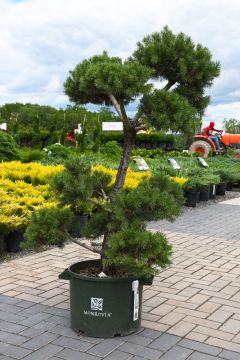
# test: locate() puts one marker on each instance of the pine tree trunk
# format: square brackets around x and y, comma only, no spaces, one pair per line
[129,144]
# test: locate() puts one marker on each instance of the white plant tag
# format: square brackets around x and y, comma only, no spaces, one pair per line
[202,162]
[102,275]
[174,164]
[141,164]
[135,289]
[214,189]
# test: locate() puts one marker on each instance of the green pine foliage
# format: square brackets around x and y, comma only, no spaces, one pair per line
[48,226]
[8,147]
[120,214]
[138,252]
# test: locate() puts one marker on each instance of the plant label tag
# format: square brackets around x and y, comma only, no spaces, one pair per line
[174,164]
[214,189]
[202,162]
[135,289]
[141,164]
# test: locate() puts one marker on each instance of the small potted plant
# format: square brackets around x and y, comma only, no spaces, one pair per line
[225,176]
[192,191]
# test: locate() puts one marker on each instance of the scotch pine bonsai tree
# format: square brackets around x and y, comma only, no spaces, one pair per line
[120,213]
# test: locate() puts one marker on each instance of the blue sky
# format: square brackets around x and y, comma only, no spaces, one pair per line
[41,40]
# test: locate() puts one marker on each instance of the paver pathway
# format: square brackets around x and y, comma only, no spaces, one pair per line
[192,311]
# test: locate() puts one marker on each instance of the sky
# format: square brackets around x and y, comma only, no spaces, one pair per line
[41,40]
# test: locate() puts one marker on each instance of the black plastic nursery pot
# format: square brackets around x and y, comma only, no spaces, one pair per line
[221,188]
[204,194]
[191,198]
[78,225]
[13,241]
[104,307]
[2,244]
[212,192]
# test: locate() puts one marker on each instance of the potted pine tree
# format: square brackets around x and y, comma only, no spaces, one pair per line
[105,294]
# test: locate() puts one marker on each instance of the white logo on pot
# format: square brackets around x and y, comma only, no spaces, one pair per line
[96,304]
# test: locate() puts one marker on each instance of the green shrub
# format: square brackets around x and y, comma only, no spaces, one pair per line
[8,147]
[28,155]
[112,148]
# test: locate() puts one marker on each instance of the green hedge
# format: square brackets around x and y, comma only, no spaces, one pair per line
[151,140]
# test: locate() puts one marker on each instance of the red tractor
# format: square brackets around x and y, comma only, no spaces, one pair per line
[202,144]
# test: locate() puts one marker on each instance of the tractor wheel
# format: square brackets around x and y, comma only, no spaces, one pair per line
[202,147]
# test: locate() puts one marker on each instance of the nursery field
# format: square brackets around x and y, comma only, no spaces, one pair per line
[25,185]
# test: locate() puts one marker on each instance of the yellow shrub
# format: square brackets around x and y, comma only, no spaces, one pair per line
[179,180]
[133,178]
[23,188]
[33,173]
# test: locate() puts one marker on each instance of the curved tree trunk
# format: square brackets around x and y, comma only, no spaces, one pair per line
[129,144]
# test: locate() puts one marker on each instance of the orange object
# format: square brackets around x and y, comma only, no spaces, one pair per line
[230,139]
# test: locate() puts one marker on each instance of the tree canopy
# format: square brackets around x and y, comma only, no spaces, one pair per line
[187,68]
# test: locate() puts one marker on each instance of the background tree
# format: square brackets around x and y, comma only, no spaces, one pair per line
[231,126]
[187,68]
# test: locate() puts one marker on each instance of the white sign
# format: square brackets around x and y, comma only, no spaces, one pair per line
[112,126]
[78,130]
[135,289]
[203,162]
[174,164]
[141,164]
[3,126]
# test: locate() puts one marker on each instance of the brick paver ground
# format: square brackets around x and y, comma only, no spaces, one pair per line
[192,311]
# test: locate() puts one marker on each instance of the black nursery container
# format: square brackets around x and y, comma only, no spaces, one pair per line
[191,198]
[221,188]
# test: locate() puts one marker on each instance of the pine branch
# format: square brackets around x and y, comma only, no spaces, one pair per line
[85,246]
[116,105]
[95,202]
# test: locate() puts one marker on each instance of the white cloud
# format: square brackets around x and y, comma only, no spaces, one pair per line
[41,40]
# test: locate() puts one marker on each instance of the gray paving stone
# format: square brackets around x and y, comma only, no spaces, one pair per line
[32,310]
[229,355]
[61,320]
[25,303]
[37,329]
[13,351]
[118,355]
[75,344]
[164,342]
[35,319]
[11,308]
[65,331]
[11,327]
[12,339]
[7,316]
[44,353]
[139,350]
[105,347]
[201,356]
[9,300]
[69,354]
[176,352]
[40,341]
[195,345]
[137,339]
[57,311]
[153,334]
